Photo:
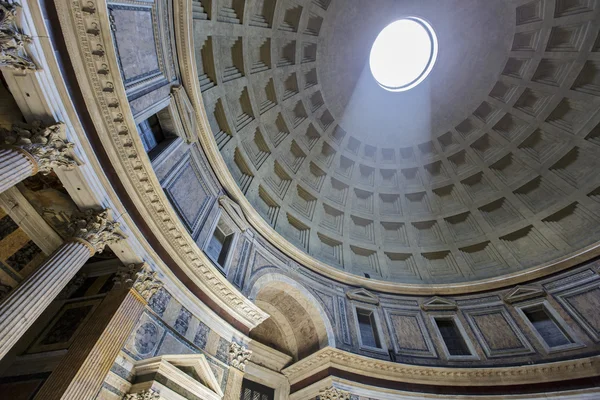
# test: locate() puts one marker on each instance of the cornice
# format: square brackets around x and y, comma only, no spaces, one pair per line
[398,372]
[86,29]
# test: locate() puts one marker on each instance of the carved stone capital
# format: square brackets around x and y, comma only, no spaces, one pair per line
[148,394]
[239,356]
[145,280]
[94,227]
[45,144]
[333,393]
[12,42]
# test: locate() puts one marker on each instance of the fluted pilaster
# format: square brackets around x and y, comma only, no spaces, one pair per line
[81,372]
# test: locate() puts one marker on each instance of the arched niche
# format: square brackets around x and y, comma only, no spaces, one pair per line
[298,325]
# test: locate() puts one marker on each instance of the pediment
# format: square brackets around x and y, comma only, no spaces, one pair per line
[189,371]
[235,212]
[437,303]
[362,295]
[521,293]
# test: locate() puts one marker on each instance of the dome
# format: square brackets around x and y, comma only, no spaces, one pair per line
[485,169]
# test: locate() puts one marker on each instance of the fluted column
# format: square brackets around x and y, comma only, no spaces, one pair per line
[29,149]
[238,357]
[81,372]
[90,232]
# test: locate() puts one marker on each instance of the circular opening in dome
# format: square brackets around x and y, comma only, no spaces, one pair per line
[403,54]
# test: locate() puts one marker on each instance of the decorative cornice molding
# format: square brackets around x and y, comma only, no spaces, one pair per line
[148,394]
[12,42]
[238,356]
[447,376]
[45,144]
[93,227]
[521,293]
[88,38]
[362,295]
[437,303]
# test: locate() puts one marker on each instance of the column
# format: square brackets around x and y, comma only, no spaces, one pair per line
[82,371]
[238,357]
[89,233]
[28,149]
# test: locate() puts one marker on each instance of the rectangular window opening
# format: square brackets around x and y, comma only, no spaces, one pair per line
[219,245]
[546,327]
[255,391]
[155,137]
[368,328]
[453,338]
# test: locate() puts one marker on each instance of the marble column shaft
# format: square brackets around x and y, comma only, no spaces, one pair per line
[26,302]
[15,166]
[82,371]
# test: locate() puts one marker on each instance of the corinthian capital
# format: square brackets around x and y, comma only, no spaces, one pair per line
[239,356]
[334,393]
[141,277]
[148,394]
[45,144]
[12,42]
[95,228]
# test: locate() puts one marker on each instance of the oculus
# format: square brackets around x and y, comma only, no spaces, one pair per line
[403,54]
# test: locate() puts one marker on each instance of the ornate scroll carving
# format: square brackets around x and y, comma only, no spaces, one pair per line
[239,356]
[12,42]
[45,145]
[148,394]
[94,227]
[334,394]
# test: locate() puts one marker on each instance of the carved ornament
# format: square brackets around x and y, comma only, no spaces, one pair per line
[12,42]
[148,394]
[95,228]
[45,144]
[238,356]
[334,393]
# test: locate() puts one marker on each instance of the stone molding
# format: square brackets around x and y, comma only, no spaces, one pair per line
[92,227]
[45,145]
[334,393]
[12,42]
[448,376]
[239,355]
[86,28]
[149,394]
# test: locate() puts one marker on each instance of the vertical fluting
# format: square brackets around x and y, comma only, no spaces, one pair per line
[14,167]
[82,371]
[27,301]
[234,384]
